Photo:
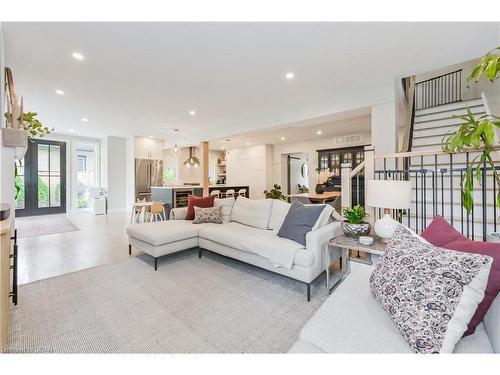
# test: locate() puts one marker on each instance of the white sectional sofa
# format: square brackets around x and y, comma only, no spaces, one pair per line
[351,321]
[248,234]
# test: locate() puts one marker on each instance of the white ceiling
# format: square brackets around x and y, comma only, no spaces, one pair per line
[143,78]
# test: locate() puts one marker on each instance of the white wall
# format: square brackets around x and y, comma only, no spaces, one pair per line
[250,166]
[116,174]
[310,148]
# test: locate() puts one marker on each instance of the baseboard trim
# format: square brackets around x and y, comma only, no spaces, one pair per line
[116,210]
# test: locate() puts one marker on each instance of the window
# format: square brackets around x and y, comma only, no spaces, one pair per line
[82,163]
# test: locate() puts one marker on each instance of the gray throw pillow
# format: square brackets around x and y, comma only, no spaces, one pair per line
[299,221]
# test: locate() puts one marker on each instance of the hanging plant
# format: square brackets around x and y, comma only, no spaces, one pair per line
[477,133]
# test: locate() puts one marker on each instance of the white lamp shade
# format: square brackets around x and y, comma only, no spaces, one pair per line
[392,194]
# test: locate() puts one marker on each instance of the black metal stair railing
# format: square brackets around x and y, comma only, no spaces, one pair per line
[440,90]
[436,191]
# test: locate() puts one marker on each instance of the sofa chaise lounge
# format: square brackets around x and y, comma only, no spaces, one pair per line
[248,234]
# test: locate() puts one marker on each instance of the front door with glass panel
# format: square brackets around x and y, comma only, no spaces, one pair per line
[41,179]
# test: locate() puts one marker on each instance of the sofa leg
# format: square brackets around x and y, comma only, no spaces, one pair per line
[156,264]
[308,292]
[129,249]
[199,252]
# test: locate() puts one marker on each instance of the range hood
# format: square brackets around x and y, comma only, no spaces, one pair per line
[192,161]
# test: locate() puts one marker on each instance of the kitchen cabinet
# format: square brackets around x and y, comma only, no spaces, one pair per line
[148,148]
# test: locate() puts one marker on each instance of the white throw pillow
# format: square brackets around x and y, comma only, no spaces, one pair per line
[227,206]
[279,210]
[431,293]
[252,212]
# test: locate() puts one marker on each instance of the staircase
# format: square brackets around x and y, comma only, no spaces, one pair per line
[436,177]
[432,124]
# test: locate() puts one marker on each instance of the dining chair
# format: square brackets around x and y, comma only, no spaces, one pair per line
[157,211]
[242,192]
[216,193]
[230,193]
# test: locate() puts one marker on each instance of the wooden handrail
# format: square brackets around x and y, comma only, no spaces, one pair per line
[359,167]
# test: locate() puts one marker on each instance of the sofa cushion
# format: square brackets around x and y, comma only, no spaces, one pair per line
[279,209]
[324,217]
[478,342]
[492,324]
[227,206]
[441,233]
[351,321]
[430,292]
[163,232]
[203,202]
[252,212]
[299,221]
[262,242]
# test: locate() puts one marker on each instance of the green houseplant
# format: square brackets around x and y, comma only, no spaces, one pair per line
[354,224]
[34,129]
[302,189]
[274,193]
[477,134]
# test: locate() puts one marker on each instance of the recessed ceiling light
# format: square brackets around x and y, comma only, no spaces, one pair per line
[319,132]
[223,148]
[192,113]
[59,92]
[290,75]
[85,119]
[150,136]
[248,143]
[78,56]
[72,130]
[282,138]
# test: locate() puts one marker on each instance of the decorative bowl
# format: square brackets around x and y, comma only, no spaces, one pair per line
[355,230]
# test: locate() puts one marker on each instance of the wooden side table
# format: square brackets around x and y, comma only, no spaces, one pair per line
[346,244]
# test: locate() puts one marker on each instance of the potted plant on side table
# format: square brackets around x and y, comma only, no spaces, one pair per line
[354,224]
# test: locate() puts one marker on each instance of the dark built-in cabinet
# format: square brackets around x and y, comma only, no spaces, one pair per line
[332,159]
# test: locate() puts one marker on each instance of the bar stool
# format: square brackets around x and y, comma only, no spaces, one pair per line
[242,192]
[230,193]
[157,211]
[216,193]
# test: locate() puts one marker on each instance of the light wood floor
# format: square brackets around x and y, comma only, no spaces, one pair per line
[101,240]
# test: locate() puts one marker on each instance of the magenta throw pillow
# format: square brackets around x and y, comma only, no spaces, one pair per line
[441,233]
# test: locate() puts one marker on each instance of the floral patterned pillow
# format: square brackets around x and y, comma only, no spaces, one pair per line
[207,215]
[430,293]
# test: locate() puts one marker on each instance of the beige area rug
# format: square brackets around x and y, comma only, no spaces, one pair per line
[190,305]
[35,226]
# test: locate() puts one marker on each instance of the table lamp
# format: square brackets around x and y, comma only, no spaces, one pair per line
[387,194]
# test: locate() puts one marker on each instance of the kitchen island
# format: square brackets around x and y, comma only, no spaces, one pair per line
[176,196]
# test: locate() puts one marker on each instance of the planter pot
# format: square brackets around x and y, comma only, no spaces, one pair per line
[320,189]
[355,230]
[493,237]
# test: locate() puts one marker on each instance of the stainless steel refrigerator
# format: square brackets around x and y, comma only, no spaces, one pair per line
[148,172]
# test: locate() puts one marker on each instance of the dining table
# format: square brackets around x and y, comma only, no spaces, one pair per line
[315,197]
